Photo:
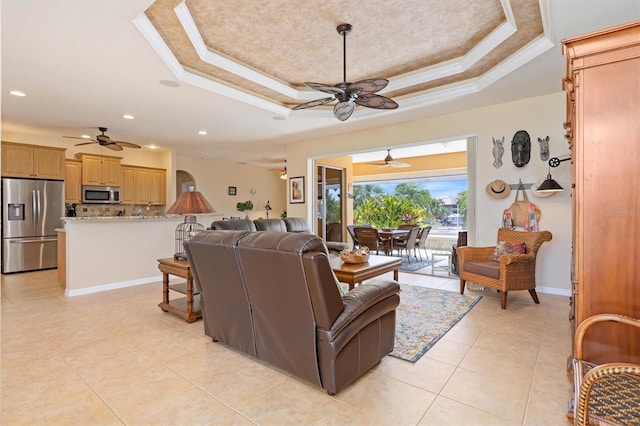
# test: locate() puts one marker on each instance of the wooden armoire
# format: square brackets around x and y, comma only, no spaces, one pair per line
[603,127]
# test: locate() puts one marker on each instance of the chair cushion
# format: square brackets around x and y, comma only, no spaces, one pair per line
[505,247]
[488,268]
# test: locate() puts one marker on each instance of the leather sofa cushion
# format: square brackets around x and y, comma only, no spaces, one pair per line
[297,224]
[235,224]
[488,268]
[276,225]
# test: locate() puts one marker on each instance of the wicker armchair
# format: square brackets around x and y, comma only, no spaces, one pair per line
[512,272]
[369,237]
[607,394]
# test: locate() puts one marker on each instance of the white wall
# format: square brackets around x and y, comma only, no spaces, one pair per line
[540,117]
[213,178]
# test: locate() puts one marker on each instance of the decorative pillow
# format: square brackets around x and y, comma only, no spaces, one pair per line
[505,247]
[341,289]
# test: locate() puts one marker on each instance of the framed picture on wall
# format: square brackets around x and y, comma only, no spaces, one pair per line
[232,190]
[296,190]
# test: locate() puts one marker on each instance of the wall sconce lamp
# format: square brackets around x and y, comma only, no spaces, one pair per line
[188,203]
[267,208]
[549,184]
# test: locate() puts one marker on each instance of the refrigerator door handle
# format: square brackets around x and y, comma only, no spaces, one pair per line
[34,208]
[23,241]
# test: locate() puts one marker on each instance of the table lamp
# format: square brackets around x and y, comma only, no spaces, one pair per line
[188,203]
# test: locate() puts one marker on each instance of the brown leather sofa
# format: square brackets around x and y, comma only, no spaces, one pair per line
[273,296]
[288,224]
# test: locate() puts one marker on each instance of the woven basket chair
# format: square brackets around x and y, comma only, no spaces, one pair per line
[369,237]
[607,394]
[512,272]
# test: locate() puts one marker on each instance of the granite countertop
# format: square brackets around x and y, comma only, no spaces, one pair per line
[114,218]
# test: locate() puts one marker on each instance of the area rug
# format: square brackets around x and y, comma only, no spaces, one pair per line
[414,265]
[424,316]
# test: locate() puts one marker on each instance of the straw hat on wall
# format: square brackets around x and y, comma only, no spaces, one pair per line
[498,189]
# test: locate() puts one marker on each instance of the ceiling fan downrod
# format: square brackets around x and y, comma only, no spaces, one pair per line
[343,30]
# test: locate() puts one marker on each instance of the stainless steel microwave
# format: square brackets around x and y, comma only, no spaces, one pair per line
[100,194]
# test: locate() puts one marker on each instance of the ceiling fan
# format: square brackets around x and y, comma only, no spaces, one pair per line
[106,141]
[390,162]
[348,94]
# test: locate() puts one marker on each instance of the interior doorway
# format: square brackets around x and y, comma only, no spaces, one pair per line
[330,203]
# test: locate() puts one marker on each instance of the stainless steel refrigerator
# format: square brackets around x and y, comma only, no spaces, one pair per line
[31,211]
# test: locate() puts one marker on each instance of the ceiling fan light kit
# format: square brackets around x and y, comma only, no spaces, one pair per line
[104,140]
[347,94]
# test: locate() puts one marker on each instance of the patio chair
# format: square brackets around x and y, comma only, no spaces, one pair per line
[408,243]
[606,394]
[421,242]
[352,233]
[512,271]
[369,237]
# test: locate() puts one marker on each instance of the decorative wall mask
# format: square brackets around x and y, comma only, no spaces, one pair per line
[544,148]
[521,148]
[498,150]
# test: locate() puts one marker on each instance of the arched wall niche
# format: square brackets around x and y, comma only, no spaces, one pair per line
[184,180]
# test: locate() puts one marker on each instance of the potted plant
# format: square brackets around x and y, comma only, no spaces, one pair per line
[245,206]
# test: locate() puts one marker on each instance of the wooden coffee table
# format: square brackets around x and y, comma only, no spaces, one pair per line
[352,273]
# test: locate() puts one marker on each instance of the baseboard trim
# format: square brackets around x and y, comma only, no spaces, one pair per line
[110,286]
[552,290]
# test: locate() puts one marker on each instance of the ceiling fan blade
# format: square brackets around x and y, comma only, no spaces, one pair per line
[343,110]
[398,164]
[368,87]
[126,144]
[85,143]
[315,103]
[77,137]
[113,147]
[324,88]
[376,101]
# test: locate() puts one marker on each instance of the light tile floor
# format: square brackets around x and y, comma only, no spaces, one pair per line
[115,358]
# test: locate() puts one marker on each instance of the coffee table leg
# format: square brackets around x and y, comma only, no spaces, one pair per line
[189,296]
[395,275]
[165,289]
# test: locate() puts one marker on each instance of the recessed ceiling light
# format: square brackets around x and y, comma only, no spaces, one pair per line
[85,136]
[17,93]
[202,132]
[169,83]
[279,118]
[152,147]
[128,117]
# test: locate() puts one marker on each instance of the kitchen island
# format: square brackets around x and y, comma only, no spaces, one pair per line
[105,253]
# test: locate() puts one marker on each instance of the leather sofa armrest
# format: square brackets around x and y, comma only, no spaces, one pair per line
[361,298]
[336,246]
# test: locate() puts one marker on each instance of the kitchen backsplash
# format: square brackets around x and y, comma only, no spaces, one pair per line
[92,210]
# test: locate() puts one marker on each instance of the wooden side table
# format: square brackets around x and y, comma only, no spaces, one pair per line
[183,306]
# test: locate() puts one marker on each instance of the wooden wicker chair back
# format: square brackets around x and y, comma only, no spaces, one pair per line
[352,232]
[422,237]
[369,237]
[532,240]
[607,393]
[407,226]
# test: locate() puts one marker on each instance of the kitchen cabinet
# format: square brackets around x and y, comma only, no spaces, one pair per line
[100,170]
[143,185]
[128,189]
[73,181]
[32,161]
[603,100]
